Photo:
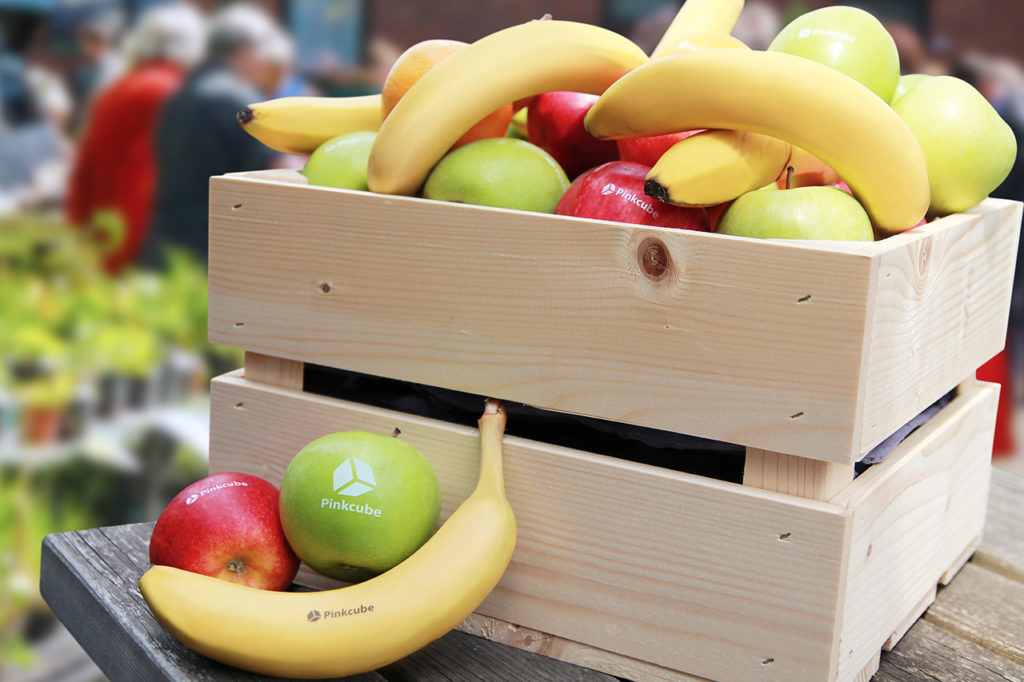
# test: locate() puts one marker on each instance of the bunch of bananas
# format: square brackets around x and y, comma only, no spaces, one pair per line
[761,105]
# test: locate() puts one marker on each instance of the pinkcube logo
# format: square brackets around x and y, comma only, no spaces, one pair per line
[608,189]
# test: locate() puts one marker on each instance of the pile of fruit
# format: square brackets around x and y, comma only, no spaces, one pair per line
[353,505]
[817,137]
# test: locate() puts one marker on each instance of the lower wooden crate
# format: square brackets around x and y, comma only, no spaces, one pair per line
[649,573]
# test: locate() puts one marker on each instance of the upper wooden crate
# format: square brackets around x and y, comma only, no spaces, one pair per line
[816,349]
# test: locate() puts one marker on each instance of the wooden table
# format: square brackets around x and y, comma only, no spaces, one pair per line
[974,630]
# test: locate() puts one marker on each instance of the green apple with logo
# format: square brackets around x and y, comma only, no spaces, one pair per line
[356,503]
[816,212]
[847,39]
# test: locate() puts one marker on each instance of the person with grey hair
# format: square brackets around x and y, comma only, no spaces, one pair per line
[113,177]
[198,137]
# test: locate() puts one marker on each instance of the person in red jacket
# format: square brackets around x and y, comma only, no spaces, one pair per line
[113,177]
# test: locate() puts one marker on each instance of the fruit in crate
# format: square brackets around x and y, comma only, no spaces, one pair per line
[802,213]
[615,191]
[647,150]
[698,17]
[416,61]
[508,65]
[501,172]
[341,161]
[355,504]
[716,166]
[906,83]
[362,627]
[809,105]
[847,39]
[969,148]
[555,124]
[298,125]
[226,526]
[808,170]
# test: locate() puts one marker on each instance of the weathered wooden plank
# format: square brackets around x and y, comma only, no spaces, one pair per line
[975,607]
[1002,548]
[929,652]
[90,580]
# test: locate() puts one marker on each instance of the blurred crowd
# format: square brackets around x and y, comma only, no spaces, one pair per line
[125,136]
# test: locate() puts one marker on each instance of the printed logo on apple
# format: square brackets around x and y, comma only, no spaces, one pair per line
[191,498]
[608,189]
[313,616]
[353,478]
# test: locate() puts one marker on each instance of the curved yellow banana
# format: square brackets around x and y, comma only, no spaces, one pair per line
[298,125]
[505,66]
[798,100]
[716,166]
[358,628]
[698,16]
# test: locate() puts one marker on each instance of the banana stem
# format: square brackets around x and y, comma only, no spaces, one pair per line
[492,430]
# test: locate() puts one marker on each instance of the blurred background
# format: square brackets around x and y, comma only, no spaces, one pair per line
[113,115]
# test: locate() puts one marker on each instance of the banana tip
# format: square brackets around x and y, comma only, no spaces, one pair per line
[493,406]
[655,189]
[245,115]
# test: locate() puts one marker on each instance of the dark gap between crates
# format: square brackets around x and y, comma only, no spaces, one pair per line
[655,447]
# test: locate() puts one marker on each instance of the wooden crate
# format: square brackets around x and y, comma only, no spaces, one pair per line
[808,354]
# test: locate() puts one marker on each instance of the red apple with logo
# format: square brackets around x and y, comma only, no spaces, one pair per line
[227,526]
[554,122]
[615,191]
[647,150]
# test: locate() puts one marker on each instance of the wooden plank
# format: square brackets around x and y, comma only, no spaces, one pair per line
[267,369]
[688,573]
[975,607]
[758,343]
[800,476]
[113,559]
[623,667]
[913,516]
[940,312]
[1002,549]
[929,652]
[90,580]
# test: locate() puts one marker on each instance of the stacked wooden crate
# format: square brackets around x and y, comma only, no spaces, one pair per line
[807,354]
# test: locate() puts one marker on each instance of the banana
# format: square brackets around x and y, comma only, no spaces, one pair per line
[298,125]
[505,66]
[716,166]
[698,16]
[809,105]
[358,628]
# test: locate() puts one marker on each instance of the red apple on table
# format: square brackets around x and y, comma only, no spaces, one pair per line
[647,150]
[554,123]
[615,191]
[227,526]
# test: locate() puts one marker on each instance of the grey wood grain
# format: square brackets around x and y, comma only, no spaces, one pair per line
[929,652]
[90,580]
[983,607]
[1002,549]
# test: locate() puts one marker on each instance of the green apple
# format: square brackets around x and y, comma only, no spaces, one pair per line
[355,503]
[341,161]
[817,212]
[503,172]
[907,83]
[849,40]
[968,147]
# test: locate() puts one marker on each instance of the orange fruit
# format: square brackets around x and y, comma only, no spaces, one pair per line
[416,61]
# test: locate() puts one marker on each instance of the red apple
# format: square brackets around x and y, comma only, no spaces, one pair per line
[615,191]
[647,150]
[554,123]
[227,526]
